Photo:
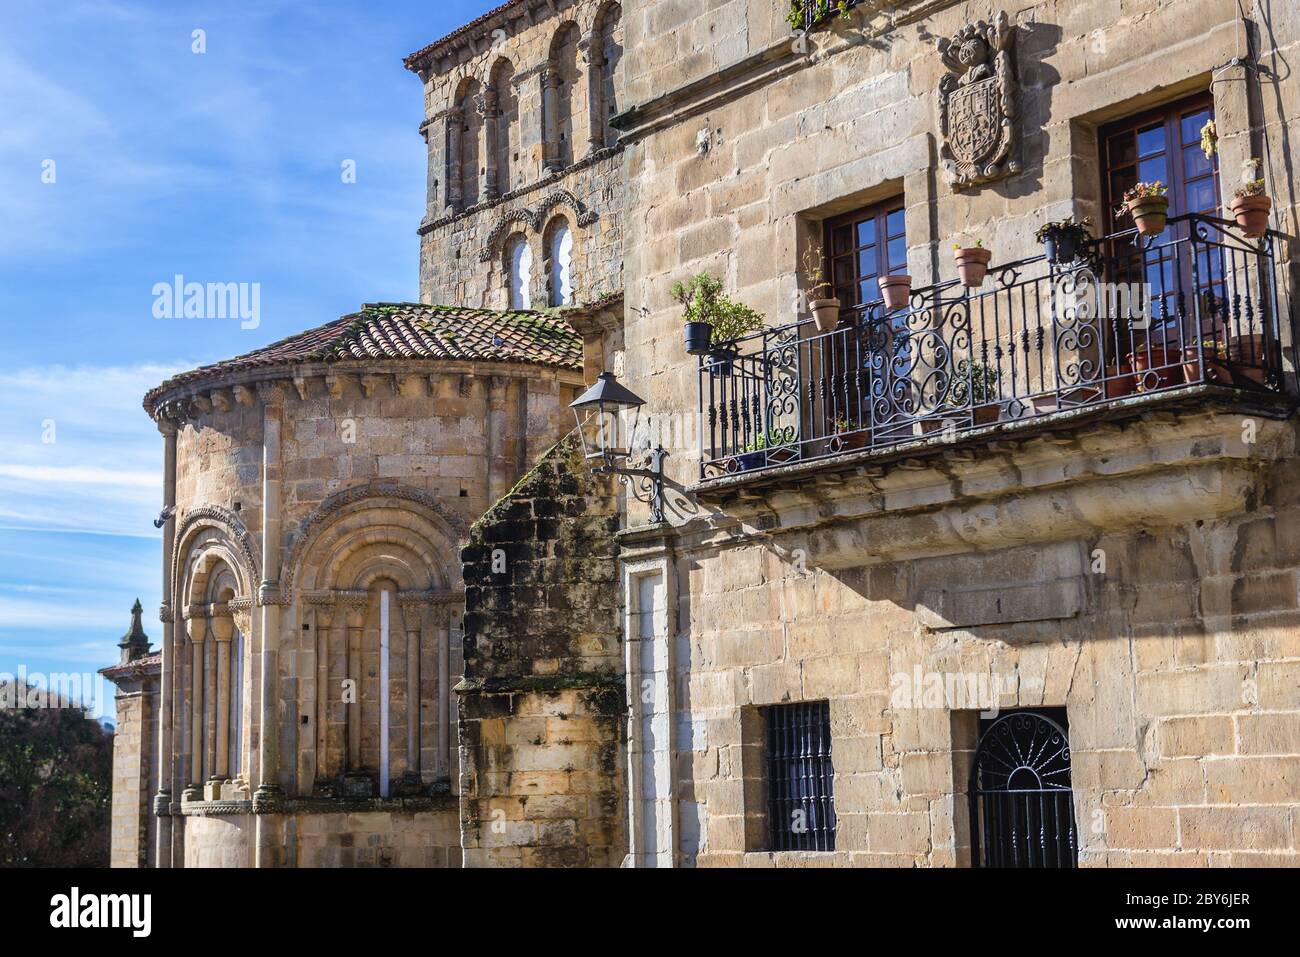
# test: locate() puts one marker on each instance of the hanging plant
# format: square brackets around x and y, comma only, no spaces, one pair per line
[1209,139]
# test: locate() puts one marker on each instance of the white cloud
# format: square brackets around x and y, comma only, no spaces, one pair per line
[77,452]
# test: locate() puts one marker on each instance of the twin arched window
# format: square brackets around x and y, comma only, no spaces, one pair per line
[558,252]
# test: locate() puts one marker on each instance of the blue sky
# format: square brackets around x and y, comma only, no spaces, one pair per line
[221,166]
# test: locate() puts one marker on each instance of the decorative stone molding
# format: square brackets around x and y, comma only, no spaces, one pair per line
[550,178]
[535,219]
[979,104]
[327,510]
[226,521]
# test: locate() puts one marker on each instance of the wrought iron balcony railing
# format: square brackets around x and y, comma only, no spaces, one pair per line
[1198,304]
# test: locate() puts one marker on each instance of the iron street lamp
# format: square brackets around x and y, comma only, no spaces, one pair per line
[597,413]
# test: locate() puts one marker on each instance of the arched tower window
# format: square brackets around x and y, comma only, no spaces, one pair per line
[559,262]
[503,117]
[519,272]
[463,146]
[559,91]
[607,68]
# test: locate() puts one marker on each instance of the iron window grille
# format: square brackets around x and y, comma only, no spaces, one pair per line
[800,795]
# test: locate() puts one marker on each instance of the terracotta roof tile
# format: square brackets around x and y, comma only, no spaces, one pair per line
[409,331]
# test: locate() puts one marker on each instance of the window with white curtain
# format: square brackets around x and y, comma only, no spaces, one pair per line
[561,257]
[520,257]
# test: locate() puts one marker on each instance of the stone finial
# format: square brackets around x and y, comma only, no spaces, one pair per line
[135,643]
[979,104]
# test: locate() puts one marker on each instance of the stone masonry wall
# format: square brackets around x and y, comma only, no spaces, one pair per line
[524,165]
[135,775]
[1176,660]
[542,706]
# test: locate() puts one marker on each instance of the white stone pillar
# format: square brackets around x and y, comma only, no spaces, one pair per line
[269,793]
[550,83]
[223,629]
[197,624]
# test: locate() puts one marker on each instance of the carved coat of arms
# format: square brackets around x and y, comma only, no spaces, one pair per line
[979,104]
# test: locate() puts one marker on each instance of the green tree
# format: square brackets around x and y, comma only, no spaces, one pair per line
[55,788]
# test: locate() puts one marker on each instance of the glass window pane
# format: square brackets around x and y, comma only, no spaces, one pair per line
[1120,182]
[867,232]
[1200,196]
[868,291]
[842,239]
[1151,140]
[1193,123]
[1123,149]
[1154,170]
[868,260]
[1194,163]
[895,223]
[898,255]
[842,269]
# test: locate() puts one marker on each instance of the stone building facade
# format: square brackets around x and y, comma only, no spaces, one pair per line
[1004,572]
[1110,557]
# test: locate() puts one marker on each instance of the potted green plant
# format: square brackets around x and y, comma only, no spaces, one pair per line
[797,17]
[823,303]
[763,450]
[972,263]
[1064,239]
[1148,204]
[1251,205]
[713,320]
[984,391]
[896,290]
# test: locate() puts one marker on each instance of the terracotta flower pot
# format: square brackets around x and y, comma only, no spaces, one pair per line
[826,314]
[987,414]
[1119,381]
[972,265]
[1151,213]
[1166,361]
[896,290]
[1216,368]
[847,441]
[1247,358]
[1251,213]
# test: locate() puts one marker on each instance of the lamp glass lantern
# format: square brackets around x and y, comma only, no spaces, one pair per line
[598,411]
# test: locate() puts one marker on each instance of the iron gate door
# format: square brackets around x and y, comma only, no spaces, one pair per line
[1021,801]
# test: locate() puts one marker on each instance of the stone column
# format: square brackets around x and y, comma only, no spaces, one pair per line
[197,625]
[490,113]
[412,611]
[241,613]
[550,82]
[442,635]
[324,622]
[455,129]
[355,612]
[223,629]
[268,795]
[594,56]
[166,759]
